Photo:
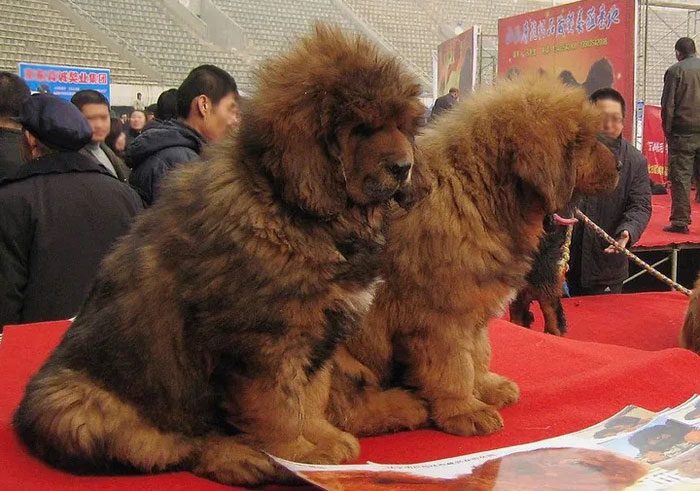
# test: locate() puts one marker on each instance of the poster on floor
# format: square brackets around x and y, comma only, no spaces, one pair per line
[588,44]
[64,81]
[457,62]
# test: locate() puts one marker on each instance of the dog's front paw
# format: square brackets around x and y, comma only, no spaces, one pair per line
[473,419]
[497,391]
[479,422]
[336,449]
[227,461]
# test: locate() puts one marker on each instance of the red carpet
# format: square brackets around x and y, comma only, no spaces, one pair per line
[648,321]
[566,385]
[654,236]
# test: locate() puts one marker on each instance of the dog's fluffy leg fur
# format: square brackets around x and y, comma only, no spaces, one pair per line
[95,430]
[490,387]
[442,365]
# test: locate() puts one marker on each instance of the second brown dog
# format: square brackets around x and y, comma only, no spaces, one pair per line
[490,171]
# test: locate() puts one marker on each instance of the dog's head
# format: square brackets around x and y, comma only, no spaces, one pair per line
[333,123]
[546,134]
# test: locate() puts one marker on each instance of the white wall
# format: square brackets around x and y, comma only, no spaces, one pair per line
[125,94]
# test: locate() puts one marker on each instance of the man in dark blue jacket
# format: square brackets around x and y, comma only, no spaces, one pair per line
[207,106]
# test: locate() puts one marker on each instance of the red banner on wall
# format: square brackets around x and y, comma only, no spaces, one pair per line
[589,44]
[655,148]
[457,62]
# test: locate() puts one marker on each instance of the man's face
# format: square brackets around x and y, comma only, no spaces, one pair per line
[223,117]
[455,95]
[98,117]
[613,117]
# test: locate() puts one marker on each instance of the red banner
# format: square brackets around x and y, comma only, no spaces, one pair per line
[655,148]
[589,44]
[457,63]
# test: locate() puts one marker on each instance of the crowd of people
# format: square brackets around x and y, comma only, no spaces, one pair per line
[73,176]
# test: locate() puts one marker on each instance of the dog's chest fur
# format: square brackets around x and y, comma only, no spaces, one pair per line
[359,238]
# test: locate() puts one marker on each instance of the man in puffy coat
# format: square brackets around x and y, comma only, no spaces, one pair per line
[595,266]
[207,106]
[60,213]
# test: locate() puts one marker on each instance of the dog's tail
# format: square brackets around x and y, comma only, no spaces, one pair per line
[74,424]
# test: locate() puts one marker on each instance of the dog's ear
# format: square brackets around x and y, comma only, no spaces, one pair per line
[541,163]
[304,171]
[312,177]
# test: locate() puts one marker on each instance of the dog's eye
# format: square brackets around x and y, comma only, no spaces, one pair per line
[364,130]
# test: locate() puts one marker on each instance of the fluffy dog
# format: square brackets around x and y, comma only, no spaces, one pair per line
[690,334]
[492,168]
[208,330]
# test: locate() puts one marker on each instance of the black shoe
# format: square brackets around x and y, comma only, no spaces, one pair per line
[677,229]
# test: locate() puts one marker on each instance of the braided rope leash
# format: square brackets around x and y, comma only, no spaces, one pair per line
[604,235]
[566,251]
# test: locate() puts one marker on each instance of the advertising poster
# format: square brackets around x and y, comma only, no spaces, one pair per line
[457,62]
[64,81]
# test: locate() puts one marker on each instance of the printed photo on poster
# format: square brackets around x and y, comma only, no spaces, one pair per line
[457,59]
[587,44]
[662,439]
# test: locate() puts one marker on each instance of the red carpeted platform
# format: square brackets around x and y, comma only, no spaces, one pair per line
[654,236]
[566,385]
[648,321]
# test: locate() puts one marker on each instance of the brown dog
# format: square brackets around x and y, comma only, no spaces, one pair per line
[690,334]
[494,166]
[209,327]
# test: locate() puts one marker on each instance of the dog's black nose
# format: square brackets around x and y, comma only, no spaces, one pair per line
[400,169]
[619,165]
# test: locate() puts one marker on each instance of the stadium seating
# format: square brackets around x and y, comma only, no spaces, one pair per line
[31,31]
[36,31]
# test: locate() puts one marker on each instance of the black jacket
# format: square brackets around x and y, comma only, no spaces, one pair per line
[442,104]
[626,208]
[158,150]
[680,101]
[60,215]
[10,159]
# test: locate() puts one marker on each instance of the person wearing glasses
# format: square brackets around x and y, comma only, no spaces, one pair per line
[596,267]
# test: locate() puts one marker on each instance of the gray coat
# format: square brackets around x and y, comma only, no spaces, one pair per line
[680,102]
[626,208]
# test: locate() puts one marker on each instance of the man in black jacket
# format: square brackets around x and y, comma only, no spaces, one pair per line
[444,103]
[95,108]
[60,213]
[207,106]
[595,266]
[680,116]
[13,92]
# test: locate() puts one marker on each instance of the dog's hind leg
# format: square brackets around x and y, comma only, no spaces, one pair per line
[561,317]
[74,424]
[359,405]
[550,311]
[520,309]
